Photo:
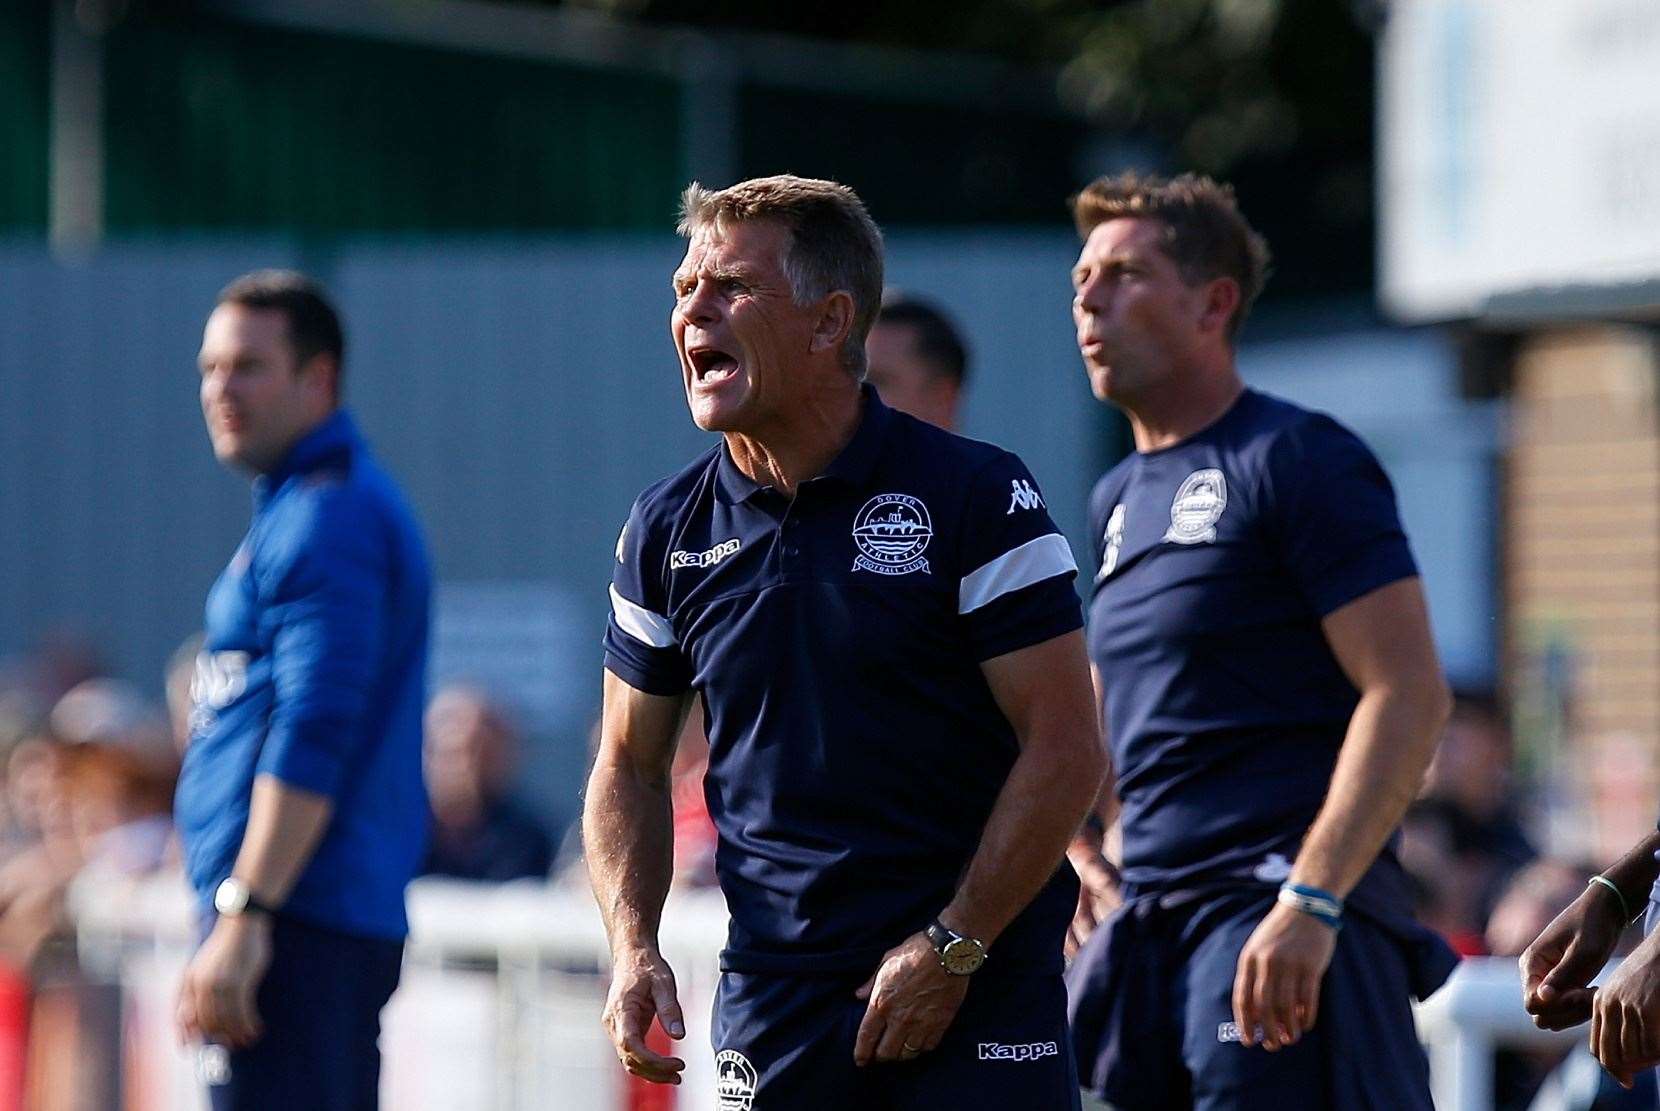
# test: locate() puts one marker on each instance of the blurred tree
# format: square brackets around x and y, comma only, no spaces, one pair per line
[1276,95]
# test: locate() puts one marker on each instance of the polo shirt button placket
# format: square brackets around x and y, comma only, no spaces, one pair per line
[792,531]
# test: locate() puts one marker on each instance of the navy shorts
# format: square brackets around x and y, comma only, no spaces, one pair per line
[1152,1013]
[320,1005]
[785,1043]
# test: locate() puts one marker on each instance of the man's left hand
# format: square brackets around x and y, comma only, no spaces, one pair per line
[216,998]
[1276,987]
[911,1002]
[1625,1015]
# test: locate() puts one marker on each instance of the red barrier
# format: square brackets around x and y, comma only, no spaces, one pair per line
[14,1036]
[643,1095]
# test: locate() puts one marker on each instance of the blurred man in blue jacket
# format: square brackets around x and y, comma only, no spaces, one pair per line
[300,804]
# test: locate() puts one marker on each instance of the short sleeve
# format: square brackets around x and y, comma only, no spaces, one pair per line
[640,644]
[1016,588]
[1332,514]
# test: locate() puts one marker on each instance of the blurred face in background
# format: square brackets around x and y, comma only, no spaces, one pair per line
[1138,321]
[906,379]
[468,749]
[256,398]
[744,343]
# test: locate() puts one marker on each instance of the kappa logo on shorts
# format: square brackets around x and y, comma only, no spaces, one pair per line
[1023,495]
[735,1081]
[1021,1051]
[1198,506]
[892,531]
[714,555]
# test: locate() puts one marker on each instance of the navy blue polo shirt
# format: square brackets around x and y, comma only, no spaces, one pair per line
[836,640]
[1214,562]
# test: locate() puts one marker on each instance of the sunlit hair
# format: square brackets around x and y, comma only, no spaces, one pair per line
[1205,234]
[834,244]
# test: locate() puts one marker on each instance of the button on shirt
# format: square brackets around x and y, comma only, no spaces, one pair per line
[836,640]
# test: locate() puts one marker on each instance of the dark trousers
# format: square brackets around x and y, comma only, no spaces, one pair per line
[320,1005]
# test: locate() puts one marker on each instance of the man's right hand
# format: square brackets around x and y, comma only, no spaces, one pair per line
[1558,967]
[1098,892]
[642,988]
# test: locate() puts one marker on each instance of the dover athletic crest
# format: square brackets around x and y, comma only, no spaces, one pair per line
[892,531]
[1198,506]
[734,1081]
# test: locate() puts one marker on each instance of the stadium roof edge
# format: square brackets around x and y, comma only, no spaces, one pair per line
[593,39]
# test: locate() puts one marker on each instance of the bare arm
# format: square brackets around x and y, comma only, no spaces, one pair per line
[628,839]
[216,996]
[1382,641]
[1044,692]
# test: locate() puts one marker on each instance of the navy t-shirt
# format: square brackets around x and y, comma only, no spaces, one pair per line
[1214,562]
[836,638]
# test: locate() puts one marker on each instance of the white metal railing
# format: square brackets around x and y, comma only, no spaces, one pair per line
[503,985]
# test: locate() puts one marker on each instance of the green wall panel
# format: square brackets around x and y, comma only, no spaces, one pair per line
[225,126]
[24,38]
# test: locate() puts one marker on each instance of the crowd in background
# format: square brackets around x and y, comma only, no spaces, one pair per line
[89,763]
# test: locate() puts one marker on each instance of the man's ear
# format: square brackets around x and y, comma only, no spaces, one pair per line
[1221,300]
[834,322]
[321,373]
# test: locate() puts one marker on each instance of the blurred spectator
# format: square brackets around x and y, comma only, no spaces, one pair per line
[477,833]
[93,789]
[1537,894]
[1462,841]
[694,830]
[917,360]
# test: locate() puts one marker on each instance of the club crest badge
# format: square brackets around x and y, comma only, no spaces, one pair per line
[1198,506]
[734,1081]
[892,531]
[1111,542]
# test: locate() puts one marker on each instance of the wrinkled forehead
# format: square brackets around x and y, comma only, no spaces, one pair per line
[728,244]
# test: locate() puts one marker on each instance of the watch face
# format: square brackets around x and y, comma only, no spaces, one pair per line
[230,898]
[963,956]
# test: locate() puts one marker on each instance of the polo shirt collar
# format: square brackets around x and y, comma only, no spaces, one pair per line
[853,465]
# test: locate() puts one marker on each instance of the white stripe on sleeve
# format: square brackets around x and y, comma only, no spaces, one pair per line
[1034,561]
[640,623]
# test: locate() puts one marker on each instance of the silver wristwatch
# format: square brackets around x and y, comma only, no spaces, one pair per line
[959,955]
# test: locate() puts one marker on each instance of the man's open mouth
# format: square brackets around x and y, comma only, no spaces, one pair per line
[711,364]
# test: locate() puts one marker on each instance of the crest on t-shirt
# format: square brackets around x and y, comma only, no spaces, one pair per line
[892,531]
[734,1081]
[1111,542]
[1198,506]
